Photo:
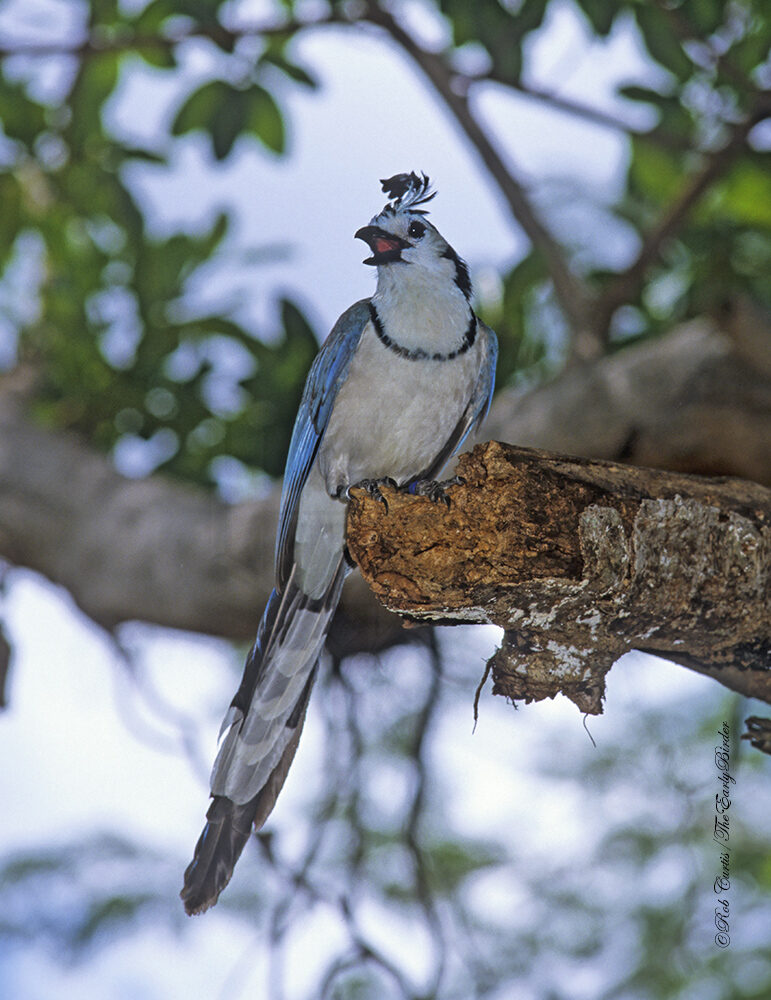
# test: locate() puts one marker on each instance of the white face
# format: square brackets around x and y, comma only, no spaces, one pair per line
[425,242]
[416,244]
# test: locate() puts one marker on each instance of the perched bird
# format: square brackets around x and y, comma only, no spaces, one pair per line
[400,382]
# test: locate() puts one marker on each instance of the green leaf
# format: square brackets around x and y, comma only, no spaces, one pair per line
[204,11]
[229,121]
[10,215]
[744,195]
[600,13]
[105,915]
[94,82]
[634,92]
[103,12]
[298,331]
[200,108]
[150,20]
[146,155]
[675,121]
[27,866]
[160,56]
[452,861]
[21,118]
[289,68]
[661,42]
[751,51]
[265,119]
[705,16]
[521,345]
[498,29]
[225,112]
[654,172]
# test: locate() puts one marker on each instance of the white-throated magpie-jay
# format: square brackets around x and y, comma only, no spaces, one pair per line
[400,382]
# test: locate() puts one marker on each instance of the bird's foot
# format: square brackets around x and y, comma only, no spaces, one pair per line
[435,491]
[372,488]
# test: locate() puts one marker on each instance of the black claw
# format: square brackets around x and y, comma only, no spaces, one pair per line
[372,488]
[436,492]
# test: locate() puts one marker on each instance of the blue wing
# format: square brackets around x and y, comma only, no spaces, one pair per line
[483,394]
[327,374]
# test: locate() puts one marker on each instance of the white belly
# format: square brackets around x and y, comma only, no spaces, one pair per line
[393,415]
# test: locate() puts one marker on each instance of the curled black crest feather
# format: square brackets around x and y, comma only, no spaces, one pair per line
[407,191]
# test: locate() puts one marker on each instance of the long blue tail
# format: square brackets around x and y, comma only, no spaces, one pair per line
[263,725]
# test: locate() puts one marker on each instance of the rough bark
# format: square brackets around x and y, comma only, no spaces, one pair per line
[580,561]
[697,400]
[154,550]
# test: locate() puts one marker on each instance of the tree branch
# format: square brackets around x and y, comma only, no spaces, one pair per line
[129,41]
[580,561]
[90,46]
[150,549]
[154,550]
[697,400]
[558,102]
[626,285]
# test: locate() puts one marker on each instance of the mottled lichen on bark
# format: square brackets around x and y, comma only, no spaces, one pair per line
[579,562]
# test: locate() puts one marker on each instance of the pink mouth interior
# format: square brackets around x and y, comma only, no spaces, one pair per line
[381,245]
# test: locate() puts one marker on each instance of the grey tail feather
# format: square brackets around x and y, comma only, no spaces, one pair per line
[227,831]
[240,797]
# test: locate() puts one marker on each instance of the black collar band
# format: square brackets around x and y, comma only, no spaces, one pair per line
[418,354]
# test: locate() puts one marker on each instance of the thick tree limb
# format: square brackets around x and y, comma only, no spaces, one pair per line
[697,400]
[157,551]
[153,549]
[146,549]
[580,561]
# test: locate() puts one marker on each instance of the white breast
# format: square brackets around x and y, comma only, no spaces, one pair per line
[393,415]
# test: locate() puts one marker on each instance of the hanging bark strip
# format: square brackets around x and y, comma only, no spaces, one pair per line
[580,561]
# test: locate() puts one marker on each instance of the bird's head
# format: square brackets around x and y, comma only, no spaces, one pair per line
[401,235]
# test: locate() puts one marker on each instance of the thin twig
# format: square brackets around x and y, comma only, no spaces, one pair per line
[424,892]
[661,137]
[627,284]
[129,41]
[91,46]
[480,686]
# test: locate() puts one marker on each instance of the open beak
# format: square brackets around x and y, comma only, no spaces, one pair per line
[386,248]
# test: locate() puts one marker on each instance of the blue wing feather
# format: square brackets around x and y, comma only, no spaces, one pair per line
[486,384]
[327,374]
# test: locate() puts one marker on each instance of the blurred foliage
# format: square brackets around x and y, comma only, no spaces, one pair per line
[122,353]
[616,905]
[119,350]
[119,347]
[109,323]
[78,896]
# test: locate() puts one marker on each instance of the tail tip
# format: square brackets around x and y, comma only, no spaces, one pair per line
[218,848]
[195,897]
[194,905]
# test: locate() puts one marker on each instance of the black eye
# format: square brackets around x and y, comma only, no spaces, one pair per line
[416,230]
